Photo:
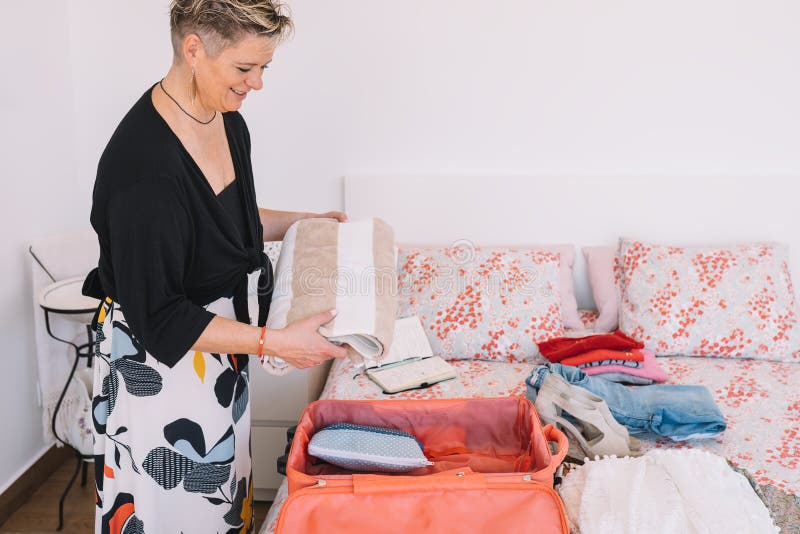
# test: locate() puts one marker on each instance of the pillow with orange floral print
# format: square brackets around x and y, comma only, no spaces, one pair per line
[486,303]
[728,302]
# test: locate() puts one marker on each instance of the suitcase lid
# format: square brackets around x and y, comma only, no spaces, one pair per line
[455,501]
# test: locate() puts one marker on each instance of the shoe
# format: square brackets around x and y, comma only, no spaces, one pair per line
[572,391]
[593,434]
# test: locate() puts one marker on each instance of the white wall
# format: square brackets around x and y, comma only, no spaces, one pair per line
[420,86]
[117,51]
[529,87]
[39,198]
[373,86]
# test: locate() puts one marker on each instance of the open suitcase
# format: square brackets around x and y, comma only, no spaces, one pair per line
[493,471]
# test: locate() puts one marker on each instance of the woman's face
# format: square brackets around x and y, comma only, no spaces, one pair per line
[224,80]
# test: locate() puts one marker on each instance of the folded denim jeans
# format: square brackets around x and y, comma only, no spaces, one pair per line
[625,378]
[679,412]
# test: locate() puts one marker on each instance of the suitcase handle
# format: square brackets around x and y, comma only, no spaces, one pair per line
[552,434]
[453,479]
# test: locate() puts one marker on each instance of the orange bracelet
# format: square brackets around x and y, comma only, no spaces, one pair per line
[261,341]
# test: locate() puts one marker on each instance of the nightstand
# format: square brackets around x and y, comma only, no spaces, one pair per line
[276,403]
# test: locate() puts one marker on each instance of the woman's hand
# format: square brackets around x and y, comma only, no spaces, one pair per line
[300,345]
[338,215]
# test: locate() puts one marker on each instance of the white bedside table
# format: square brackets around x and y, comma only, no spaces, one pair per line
[276,403]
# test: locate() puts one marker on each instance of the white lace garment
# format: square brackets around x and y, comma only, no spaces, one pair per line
[679,491]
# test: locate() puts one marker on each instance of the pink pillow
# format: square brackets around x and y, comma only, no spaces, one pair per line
[600,266]
[569,304]
[481,303]
[729,302]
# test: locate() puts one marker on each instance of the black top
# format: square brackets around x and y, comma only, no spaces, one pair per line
[231,200]
[168,247]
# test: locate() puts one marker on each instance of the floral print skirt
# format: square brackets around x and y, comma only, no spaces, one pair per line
[171,445]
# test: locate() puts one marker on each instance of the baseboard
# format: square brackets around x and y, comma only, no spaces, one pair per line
[31,478]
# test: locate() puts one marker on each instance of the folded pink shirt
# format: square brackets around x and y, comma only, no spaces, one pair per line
[650,369]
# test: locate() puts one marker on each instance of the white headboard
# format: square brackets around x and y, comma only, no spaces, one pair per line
[582,210]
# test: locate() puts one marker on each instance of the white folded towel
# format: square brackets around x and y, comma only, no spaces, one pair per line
[349,267]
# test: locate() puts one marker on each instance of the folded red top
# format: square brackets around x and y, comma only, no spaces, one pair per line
[557,349]
[599,355]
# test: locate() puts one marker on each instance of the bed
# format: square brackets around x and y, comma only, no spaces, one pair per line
[759,399]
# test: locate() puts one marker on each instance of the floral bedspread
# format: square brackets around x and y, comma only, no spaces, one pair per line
[759,399]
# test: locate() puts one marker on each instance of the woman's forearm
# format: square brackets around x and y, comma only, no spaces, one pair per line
[226,336]
[276,222]
[299,344]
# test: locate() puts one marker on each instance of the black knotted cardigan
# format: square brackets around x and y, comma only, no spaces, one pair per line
[168,248]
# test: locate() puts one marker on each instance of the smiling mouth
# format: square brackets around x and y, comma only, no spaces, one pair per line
[238,93]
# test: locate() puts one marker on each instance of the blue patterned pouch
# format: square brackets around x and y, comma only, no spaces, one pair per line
[368,448]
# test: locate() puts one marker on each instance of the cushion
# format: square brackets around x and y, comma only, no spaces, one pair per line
[732,302]
[569,304]
[570,315]
[368,448]
[600,268]
[492,303]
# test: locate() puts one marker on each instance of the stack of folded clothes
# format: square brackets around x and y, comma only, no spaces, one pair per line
[614,356]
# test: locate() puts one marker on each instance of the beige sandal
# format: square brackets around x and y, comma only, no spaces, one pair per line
[584,395]
[593,433]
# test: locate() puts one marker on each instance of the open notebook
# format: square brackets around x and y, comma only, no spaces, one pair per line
[410,362]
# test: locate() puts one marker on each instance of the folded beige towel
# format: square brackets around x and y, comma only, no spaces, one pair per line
[349,267]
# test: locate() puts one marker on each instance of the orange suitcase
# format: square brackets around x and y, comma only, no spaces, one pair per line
[493,471]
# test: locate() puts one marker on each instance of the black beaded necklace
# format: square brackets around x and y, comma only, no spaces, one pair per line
[214,116]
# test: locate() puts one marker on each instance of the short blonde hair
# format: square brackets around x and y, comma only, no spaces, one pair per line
[221,23]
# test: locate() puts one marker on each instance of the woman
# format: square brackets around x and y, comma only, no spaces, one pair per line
[175,212]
